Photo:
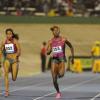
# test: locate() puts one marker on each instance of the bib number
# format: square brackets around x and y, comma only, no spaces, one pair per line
[57,49]
[9,48]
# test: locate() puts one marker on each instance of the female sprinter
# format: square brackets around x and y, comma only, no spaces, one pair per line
[11,52]
[57,46]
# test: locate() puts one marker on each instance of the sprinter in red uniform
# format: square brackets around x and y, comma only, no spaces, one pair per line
[11,51]
[57,46]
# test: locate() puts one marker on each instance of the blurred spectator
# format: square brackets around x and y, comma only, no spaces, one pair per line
[43,57]
[95,57]
[70,12]
[89,4]
[96,49]
[96,10]
[0,5]
[61,10]
[70,3]
[46,7]
[52,13]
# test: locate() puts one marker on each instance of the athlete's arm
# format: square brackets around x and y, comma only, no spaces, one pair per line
[2,46]
[18,48]
[71,48]
[2,49]
[1,53]
[49,48]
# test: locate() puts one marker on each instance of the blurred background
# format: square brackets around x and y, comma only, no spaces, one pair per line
[79,21]
[50,7]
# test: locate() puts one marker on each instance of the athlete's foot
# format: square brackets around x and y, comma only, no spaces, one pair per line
[6,93]
[58,95]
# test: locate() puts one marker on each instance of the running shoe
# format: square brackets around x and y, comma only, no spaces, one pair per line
[58,95]
[6,93]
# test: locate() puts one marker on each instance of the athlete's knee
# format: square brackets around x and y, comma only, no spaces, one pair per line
[14,79]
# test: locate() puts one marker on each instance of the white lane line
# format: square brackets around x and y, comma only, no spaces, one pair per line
[22,87]
[95,96]
[43,83]
[72,86]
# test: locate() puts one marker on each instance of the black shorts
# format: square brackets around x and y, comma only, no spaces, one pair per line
[58,60]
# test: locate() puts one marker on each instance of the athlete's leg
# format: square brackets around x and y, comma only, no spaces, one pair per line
[14,71]
[54,71]
[6,74]
[61,69]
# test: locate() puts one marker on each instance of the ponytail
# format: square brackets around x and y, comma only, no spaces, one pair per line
[16,36]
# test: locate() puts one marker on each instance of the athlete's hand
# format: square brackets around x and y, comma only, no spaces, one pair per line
[72,60]
[48,52]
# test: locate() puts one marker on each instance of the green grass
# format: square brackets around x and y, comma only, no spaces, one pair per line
[49,20]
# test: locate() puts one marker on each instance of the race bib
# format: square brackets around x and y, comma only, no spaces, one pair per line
[57,49]
[9,48]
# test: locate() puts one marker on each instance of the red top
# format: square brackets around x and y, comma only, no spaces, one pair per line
[58,47]
[43,50]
